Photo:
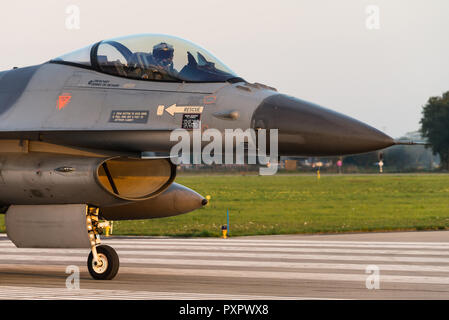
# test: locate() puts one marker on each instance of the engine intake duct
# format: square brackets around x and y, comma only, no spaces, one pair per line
[135,179]
[43,178]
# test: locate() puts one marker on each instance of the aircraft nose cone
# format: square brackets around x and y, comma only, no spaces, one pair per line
[306,129]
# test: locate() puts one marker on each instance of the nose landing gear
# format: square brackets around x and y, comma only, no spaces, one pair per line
[103,262]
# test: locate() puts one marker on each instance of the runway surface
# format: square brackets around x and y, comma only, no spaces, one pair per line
[411,265]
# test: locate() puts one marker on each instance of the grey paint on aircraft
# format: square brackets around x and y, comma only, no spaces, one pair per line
[48,226]
[94,96]
[13,84]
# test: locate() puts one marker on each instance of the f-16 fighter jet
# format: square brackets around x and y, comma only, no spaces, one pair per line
[86,138]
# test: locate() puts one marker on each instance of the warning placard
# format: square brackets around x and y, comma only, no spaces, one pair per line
[129,116]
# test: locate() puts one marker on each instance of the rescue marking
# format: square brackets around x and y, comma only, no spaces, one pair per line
[63,100]
[171,110]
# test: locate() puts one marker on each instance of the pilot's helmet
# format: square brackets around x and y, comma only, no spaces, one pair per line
[163,53]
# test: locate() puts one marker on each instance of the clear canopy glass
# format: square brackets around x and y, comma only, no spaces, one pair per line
[151,57]
[80,56]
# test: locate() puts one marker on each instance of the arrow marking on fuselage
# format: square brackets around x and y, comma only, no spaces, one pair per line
[171,110]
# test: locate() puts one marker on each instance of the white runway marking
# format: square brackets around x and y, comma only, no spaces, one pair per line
[420,263]
[271,242]
[286,256]
[361,278]
[235,263]
[17,293]
[241,249]
[131,243]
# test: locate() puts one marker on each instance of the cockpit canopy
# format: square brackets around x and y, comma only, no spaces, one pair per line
[151,57]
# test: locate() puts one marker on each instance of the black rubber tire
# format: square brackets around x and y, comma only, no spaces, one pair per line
[113,263]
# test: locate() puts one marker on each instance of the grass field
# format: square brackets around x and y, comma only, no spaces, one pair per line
[286,204]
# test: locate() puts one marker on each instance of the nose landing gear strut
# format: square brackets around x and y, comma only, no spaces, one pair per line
[103,262]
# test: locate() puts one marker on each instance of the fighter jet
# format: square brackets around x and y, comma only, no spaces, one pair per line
[85,137]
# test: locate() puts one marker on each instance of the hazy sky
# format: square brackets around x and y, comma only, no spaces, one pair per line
[317,50]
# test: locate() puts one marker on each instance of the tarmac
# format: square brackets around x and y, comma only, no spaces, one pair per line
[395,265]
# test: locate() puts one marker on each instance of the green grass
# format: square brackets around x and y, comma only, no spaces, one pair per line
[287,204]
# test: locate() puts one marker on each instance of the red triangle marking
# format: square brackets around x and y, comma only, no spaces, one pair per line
[63,101]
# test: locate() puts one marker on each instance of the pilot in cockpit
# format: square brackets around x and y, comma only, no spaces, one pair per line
[163,55]
[160,58]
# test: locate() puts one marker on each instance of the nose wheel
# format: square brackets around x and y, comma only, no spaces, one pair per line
[107,264]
